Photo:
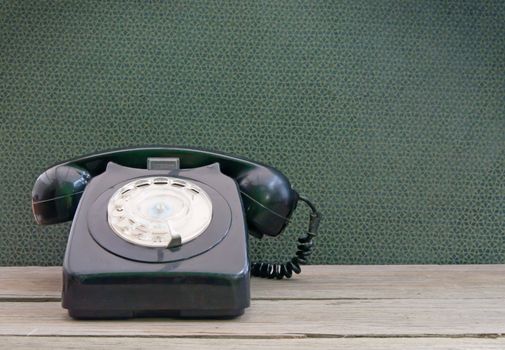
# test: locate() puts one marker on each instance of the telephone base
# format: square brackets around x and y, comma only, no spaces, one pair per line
[106,276]
[148,294]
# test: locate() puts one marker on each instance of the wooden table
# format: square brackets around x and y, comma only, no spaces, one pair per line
[337,307]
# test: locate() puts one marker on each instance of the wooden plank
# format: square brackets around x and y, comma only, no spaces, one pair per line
[30,283]
[286,318]
[127,343]
[316,282]
[387,281]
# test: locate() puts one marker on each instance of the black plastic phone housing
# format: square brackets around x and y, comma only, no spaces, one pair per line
[207,277]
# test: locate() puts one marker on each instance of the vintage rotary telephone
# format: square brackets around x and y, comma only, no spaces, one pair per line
[162,230]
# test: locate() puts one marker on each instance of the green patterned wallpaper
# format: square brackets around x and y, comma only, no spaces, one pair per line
[389,114]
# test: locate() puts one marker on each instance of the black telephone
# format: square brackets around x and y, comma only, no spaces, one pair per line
[161,231]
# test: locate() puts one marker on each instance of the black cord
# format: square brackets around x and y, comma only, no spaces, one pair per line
[305,247]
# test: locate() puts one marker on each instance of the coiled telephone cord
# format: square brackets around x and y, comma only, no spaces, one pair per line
[305,247]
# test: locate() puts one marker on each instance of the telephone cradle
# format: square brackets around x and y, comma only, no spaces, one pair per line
[162,231]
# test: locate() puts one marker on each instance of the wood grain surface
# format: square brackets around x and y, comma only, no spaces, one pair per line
[338,307]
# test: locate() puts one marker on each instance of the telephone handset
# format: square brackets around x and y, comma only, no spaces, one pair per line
[172,219]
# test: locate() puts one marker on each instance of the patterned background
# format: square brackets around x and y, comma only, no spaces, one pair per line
[389,114]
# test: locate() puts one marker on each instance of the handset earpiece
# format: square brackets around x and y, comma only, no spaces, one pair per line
[57,192]
[268,200]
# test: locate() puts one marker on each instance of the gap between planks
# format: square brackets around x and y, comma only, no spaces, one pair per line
[324,282]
